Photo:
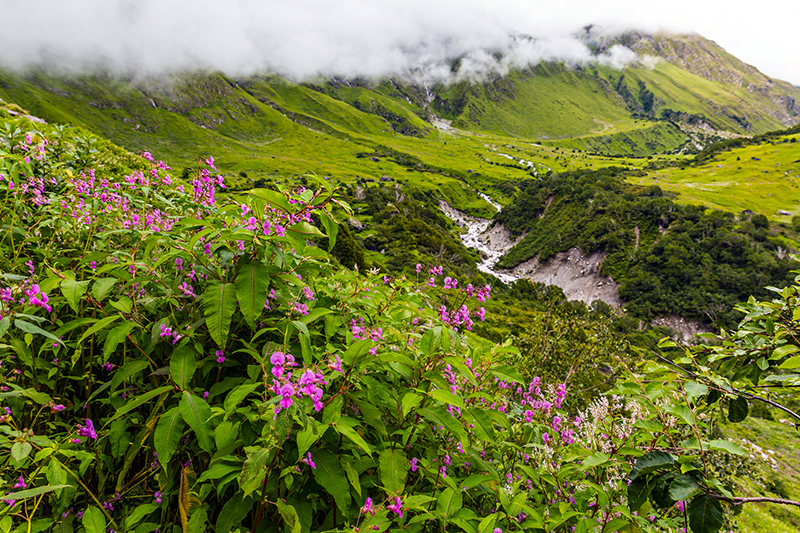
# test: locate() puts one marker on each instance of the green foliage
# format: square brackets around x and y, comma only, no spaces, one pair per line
[668,259]
[328,400]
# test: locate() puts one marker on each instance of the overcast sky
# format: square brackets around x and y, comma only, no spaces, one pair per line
[302,38]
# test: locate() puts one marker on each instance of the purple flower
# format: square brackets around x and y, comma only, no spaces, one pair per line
[308,461]
[158,496]
[220,356]
[367,508]
[20,484]
[414,466]
[396,507]
[87,430]
[57,407]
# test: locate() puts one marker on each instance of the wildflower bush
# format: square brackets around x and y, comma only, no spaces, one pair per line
[176,359]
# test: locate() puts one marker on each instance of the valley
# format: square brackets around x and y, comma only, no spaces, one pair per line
[586,271]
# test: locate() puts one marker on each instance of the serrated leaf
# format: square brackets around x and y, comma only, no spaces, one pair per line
[168,434]
[330,475]
[695,390]
[197,413]
[219,304]
[705,514]
[393,470]
[350,433]
[252,285]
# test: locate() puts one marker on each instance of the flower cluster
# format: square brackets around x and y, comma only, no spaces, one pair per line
[307,384]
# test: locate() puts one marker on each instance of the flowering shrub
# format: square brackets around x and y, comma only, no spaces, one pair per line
[173,357]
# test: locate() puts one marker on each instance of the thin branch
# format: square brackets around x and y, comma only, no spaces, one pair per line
[738,501]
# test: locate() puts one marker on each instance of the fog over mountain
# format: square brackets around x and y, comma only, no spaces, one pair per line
[306,38]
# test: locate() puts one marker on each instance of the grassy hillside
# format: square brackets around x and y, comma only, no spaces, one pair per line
[763,177]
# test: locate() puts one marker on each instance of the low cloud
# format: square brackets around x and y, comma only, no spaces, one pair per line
[299,39]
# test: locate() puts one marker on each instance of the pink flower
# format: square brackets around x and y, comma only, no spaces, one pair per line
[396,506]
[287,391]
[367,508]
[87,430]
[308,461]
[20,484]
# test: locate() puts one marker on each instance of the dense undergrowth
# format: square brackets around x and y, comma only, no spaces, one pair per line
[669,259]
[178,359]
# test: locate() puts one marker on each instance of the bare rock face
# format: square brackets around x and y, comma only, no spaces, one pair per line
[576,274]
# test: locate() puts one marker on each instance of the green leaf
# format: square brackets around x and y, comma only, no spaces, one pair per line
[440,418]
[639,490]
[331,228]
[168,434]
[737,409]
[27,327]
[595,459]
[101,288]
[219,303]
[197,413]
[449,502]
[650,462]
[252,284]
[93,520]
[32,493]
[705,514]
[484,428]
[5,322]
[445,396]
[138,514]
[721,445]
[182,365]
[410,401]
[97,326]
[783,351]
[695,390]
[272,197]
[683,487]
[237,396]
[330,475]
[289,515]
[139,400]
[20,450]
[372,415]
[250,476]
[198,521]
[73,291]
[478,479]
[682,412]
[507,373]
[345,429]
[352,476]
[393,470]
[791,363]
[115,336]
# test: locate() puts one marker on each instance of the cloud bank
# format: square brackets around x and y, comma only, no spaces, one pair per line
[299,39]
